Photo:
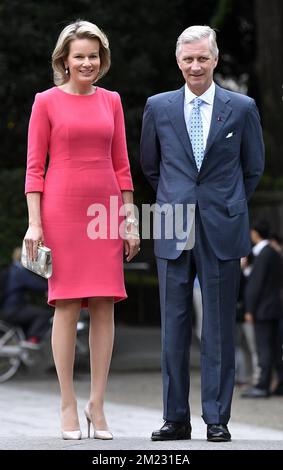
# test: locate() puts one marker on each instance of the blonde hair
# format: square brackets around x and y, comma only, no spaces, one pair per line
[196,33]
[78,30]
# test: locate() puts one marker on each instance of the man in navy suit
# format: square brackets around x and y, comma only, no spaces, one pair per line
[201,150]
[264,309]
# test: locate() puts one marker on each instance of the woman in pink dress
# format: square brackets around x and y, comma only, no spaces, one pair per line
[81,128]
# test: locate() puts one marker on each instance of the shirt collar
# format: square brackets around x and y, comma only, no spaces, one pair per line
[259,246]
[207,96]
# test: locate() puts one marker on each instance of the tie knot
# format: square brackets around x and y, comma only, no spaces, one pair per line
[197,102]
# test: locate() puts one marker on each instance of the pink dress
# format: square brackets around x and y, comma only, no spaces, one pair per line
[84,136]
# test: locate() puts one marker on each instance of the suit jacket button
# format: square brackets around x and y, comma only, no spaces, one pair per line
[198,183]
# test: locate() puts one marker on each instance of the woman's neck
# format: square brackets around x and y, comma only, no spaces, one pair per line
[76,89]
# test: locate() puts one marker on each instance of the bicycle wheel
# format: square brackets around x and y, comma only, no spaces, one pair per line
[10,350]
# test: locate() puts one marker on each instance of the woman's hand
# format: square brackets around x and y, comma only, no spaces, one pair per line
[32,238]
[131,234]
[132,247]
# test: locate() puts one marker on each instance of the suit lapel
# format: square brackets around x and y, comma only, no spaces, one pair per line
[175,111]
[220,113]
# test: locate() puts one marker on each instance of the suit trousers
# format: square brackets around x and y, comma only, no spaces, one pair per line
[219,281]
[269,349]
[35,320]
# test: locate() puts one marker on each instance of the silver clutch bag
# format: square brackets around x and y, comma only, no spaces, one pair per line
[43,264]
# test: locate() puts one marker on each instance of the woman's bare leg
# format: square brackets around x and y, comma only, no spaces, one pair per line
[64,333]
[101,338]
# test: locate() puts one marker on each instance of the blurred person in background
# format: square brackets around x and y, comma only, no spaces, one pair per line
[264,306]
[276,241]
[17,307]
[247,368]
[197,302]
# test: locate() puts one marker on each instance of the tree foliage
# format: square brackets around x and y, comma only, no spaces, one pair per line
[269,67]
[142,37]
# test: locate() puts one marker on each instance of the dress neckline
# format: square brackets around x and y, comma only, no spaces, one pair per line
[73,94]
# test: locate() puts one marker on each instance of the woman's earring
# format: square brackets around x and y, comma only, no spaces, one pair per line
[67,71]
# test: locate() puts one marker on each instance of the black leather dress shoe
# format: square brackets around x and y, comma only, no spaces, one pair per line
[172,431]
[218,433]
[255,392]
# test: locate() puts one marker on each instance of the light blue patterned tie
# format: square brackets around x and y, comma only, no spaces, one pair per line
[196,132]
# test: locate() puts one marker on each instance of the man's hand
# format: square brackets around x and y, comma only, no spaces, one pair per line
[249,317]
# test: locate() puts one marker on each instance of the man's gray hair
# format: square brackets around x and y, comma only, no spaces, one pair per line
[196,33]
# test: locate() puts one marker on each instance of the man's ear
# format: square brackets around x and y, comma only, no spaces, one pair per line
[178,63]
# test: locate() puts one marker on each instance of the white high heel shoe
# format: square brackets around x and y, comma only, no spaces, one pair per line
[71,435]
[98,434]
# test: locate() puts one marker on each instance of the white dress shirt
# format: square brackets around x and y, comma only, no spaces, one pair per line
[259,247]
[205,109]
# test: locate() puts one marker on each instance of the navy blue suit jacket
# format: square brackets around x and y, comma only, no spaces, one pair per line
[264,286]
[232,166]
[20,281]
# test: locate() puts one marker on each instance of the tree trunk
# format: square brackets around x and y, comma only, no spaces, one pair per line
[269,66]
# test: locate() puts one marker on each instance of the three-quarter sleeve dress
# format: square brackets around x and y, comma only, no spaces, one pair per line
[83,137]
